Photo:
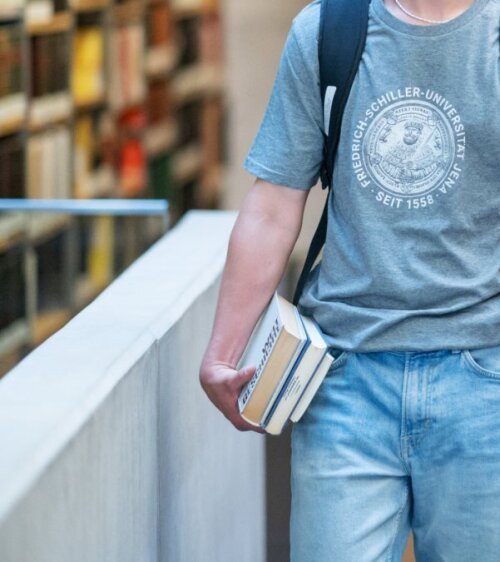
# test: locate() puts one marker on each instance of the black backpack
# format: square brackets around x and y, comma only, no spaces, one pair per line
[342,37]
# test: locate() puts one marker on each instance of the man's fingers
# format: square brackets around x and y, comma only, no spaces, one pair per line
[240,424]
[243,376]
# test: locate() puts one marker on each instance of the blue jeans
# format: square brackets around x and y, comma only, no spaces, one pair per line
[399,441]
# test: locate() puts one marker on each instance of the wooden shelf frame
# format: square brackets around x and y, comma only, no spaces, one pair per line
[86,6]
[59,23]
[12,14]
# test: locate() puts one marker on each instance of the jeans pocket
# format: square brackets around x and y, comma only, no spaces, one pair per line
[484,361]
[339,358]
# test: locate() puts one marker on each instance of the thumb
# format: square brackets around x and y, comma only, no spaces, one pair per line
[244,375]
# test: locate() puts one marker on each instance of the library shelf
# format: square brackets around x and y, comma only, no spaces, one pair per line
[89,105]
[195,11]
[161,61]
[12,113]
[100,184]
[46,323]
[11,126]
[10,14]
[39,126]
[43,226]
[197,80]
[50,110]
[13,337]
[128,12]
[12,230]
[86,6]
[187,162]
[210,186]
[86,290]
[160,138]
[58,23]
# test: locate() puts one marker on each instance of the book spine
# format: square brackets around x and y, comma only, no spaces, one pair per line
[266,352]
[289,399]
[285,381]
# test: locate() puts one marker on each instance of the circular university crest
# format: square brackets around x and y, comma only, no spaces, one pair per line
[409,148]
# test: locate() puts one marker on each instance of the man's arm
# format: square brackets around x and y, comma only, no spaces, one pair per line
[260,245]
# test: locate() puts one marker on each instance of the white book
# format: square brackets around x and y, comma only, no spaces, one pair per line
[311,388]
[274,344]
[259,347]
[291,390]
[294,361]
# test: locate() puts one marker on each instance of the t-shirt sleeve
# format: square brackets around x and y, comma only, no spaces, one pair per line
[288,147]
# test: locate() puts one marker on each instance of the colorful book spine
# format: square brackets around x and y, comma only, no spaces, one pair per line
[88,65]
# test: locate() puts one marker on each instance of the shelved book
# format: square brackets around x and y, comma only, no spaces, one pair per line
[51,99]
[291,358]
[12,166]
[49,164]
[12,97]
[88,81]
[127,77]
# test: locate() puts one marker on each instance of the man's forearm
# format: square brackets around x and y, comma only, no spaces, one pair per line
[258,253]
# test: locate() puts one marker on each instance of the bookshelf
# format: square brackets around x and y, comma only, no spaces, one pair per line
[99,99]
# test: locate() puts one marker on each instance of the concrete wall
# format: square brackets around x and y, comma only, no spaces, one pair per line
[110,451]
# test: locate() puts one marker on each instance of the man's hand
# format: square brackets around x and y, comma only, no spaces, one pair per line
[259,248]
[223,384]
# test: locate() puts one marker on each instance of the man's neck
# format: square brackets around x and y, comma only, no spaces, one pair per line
[437,10]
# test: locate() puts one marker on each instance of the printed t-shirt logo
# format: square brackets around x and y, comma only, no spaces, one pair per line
[409,148]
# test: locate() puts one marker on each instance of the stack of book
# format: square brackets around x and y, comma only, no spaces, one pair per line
[291,359]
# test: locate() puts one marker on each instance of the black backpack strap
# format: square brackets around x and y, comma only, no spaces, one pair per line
[342,37]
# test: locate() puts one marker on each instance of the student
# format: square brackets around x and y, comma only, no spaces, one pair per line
[404,432]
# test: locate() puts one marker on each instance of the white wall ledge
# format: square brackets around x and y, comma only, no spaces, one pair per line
[131,356]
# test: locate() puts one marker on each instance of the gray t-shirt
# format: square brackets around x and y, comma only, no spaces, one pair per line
[412,255]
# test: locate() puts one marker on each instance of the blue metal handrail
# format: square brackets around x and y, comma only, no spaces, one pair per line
[88,206]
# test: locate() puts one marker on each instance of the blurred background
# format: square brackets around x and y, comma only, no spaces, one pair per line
[134,100]
[129,99]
